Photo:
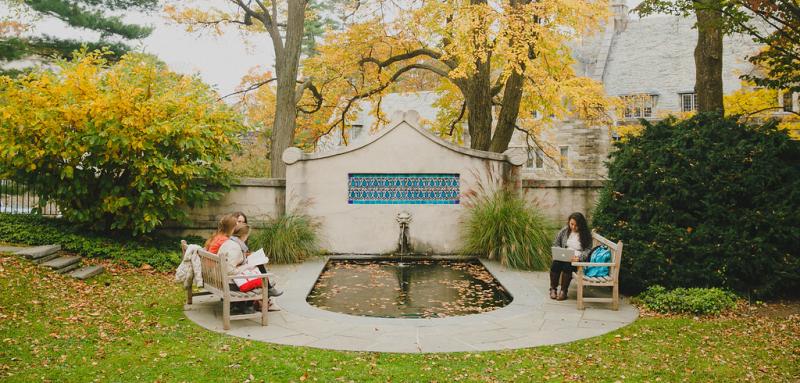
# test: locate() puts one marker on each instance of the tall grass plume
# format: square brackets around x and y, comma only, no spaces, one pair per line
[499,226]
[288,239]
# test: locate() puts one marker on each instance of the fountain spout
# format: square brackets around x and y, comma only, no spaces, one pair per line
[403,218]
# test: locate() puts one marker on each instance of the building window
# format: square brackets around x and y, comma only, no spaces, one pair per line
[688,102]
[787,101]
[535,159]
[639,106]
[355,131]
[563,160]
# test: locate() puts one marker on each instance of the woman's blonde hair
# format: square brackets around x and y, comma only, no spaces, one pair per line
[225,227]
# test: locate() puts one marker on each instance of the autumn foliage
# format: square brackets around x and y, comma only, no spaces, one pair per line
[496,62]
[123,146]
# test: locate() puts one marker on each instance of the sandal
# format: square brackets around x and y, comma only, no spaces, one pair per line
[553,294]
[562,296]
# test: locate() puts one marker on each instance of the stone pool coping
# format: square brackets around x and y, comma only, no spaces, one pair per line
[532,319]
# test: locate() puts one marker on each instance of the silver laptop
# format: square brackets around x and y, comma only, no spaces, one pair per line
[562,254]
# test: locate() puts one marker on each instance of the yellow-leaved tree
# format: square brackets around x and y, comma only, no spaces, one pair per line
[757,104]
[498,62]
[123,146]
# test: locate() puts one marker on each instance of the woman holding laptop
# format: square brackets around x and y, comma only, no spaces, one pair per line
[577,237]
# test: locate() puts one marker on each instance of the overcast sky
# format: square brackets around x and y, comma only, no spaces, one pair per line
[220,60]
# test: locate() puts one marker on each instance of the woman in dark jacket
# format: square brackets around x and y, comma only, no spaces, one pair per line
[575,236]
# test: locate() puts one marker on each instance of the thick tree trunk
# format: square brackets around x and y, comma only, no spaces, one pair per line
[512,96]
[478,97]
[286,66]
[479,106]
[708,59]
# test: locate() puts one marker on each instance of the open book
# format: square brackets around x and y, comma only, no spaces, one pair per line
[257,258]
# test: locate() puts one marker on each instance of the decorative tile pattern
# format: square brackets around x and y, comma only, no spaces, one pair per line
[402,188]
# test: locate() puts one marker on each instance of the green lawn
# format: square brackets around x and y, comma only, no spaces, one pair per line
[127,325]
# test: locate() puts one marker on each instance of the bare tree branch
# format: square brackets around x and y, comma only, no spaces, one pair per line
[309,84]
[748,115]
[403,56]
[250,88]
[458,119]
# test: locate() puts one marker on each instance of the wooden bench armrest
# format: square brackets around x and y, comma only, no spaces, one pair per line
[248,276]
[592,264]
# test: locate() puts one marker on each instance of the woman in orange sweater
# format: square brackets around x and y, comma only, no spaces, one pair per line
[225,229]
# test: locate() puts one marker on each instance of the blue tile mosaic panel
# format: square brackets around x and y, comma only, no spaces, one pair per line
[392,188]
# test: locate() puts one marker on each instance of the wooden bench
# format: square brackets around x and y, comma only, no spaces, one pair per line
[612,280]
[217,281]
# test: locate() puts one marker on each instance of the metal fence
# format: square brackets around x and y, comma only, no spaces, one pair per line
[16,198]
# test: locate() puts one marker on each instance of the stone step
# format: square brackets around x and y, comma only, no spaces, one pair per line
[46,258]
[87,272]
[11,249]
[67,269]
[38,252]
[62,262]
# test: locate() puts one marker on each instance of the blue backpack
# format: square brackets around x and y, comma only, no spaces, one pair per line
[601,254]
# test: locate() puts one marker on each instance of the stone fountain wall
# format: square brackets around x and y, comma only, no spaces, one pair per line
[357,193]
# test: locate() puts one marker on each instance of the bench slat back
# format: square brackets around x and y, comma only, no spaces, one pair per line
[213,271]
[616,252]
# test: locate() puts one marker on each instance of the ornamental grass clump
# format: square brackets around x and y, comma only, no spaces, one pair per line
[499,226]
[287,239]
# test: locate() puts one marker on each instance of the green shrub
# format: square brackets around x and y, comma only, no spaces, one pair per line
[123,146]
[698,301]
[287,239]
[499,226]
[163,253]
[706,202]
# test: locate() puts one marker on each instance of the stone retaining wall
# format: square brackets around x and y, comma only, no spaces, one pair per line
[258,198]
[557,199]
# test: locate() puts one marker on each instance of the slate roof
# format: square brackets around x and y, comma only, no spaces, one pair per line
[656,55]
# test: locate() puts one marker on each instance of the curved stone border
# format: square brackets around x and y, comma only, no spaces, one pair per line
[530,320]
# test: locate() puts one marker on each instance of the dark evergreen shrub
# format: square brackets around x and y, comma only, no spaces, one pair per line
[706,202]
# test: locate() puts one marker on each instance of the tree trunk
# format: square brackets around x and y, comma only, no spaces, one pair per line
[286,67]
[512,96]
[479,107]
[708,59]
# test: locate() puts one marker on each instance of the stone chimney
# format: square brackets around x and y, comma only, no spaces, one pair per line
[620,10]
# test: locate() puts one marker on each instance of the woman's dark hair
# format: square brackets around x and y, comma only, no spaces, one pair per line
[583,229]
[239,214]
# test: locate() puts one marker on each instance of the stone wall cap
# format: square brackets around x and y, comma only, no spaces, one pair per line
[563,183]
[409,118]
[270,182]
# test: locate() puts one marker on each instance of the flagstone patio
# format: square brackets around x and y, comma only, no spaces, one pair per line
[532,319]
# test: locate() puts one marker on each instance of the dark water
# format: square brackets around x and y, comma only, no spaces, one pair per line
[411,289]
